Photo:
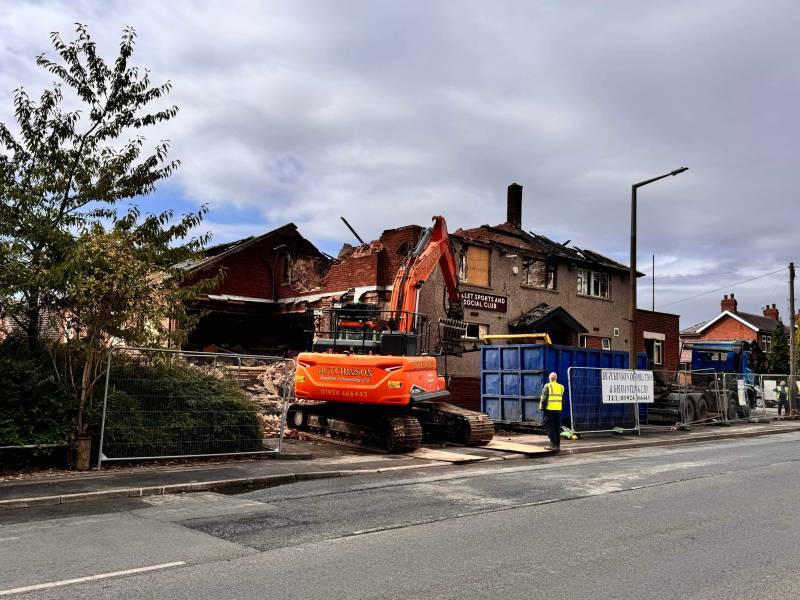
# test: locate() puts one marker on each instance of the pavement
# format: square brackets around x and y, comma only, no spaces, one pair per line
[702,520]
[317,460]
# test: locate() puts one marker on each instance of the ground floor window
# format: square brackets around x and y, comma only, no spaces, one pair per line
[476,331]
[658,352]
[582,340]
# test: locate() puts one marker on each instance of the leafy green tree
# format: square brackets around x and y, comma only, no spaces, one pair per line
[779,353]
[64,170]
[76,254]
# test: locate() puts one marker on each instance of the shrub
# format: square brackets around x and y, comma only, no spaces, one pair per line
[34,409]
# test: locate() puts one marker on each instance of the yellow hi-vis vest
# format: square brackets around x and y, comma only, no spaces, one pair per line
[552,395]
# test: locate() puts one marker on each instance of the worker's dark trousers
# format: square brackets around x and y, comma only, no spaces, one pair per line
[783,404]
[552,424]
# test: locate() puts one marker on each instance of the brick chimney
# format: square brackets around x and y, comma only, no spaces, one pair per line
[514,205]
[728,304]
[771,313]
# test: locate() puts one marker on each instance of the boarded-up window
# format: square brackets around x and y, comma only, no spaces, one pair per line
[474,268]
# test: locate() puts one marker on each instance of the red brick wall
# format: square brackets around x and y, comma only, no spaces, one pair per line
[665,323]
[465,392]
[352,272]
[247,273]
[728,328]
[397,243]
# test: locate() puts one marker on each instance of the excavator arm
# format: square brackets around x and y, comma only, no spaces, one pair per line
[433,249]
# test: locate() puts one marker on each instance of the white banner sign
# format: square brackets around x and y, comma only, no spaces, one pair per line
[623,386]
[741,392]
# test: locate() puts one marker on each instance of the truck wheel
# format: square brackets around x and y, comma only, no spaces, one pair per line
[702,410]
[691,410]
[731,412]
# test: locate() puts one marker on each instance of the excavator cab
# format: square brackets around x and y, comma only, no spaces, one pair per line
[365,329]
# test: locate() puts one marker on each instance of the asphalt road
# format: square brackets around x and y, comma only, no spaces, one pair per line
[695,521]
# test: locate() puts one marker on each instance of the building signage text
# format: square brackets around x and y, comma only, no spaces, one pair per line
[623,386]
[484,301]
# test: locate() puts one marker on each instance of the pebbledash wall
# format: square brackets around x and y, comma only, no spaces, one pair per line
[603,318]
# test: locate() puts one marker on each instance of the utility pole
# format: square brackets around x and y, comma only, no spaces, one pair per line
[653,277]
[792,342]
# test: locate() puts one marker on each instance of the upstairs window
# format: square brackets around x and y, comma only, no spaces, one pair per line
[474,267]
[537,273]
[592,283]
[766,342]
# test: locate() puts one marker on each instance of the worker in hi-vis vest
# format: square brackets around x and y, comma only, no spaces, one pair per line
[552,396]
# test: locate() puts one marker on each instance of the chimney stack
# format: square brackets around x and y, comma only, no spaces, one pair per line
[771,313]
[514,205]
[729,304]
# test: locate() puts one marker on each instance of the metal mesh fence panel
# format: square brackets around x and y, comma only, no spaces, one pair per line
[669,406]
[588,412]
[737,395]
[768,397]
[162,403]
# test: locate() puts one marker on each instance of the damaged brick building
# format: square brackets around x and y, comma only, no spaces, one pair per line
[256,306]
[512,281]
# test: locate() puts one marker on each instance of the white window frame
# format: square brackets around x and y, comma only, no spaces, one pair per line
[587,281]
[658,352]
[606,343]
[583,339]
[483,329]
[766,341]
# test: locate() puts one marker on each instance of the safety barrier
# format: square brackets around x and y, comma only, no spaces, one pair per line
[594,406]
[161,403]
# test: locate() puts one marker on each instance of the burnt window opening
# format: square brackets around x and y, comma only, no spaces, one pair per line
[539,273]
[402,250]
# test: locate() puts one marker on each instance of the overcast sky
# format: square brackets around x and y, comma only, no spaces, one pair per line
[390,112]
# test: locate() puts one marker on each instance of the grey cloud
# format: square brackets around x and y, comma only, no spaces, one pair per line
[389,112]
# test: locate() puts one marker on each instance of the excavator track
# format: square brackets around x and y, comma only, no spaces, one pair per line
[442,422]
[393,432]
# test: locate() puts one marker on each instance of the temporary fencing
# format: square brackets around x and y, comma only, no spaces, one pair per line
[589,408]
[651,399]
[161,403]
[767,396]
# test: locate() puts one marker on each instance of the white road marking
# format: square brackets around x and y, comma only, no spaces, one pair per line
[9,539]
[45,586]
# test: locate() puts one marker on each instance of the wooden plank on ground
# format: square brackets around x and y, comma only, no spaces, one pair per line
[444,455]
[514,447]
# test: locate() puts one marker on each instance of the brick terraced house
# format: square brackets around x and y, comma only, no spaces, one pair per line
[733,325]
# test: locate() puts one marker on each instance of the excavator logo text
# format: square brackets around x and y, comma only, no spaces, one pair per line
[346,371]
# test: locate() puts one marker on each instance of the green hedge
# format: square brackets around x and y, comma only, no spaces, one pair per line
[33,407]
[175,410]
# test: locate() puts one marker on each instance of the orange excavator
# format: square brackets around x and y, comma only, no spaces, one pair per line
[371,374]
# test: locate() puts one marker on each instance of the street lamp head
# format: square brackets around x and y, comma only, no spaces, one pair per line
[679,171]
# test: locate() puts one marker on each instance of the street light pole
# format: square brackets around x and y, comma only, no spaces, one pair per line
[632,343]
